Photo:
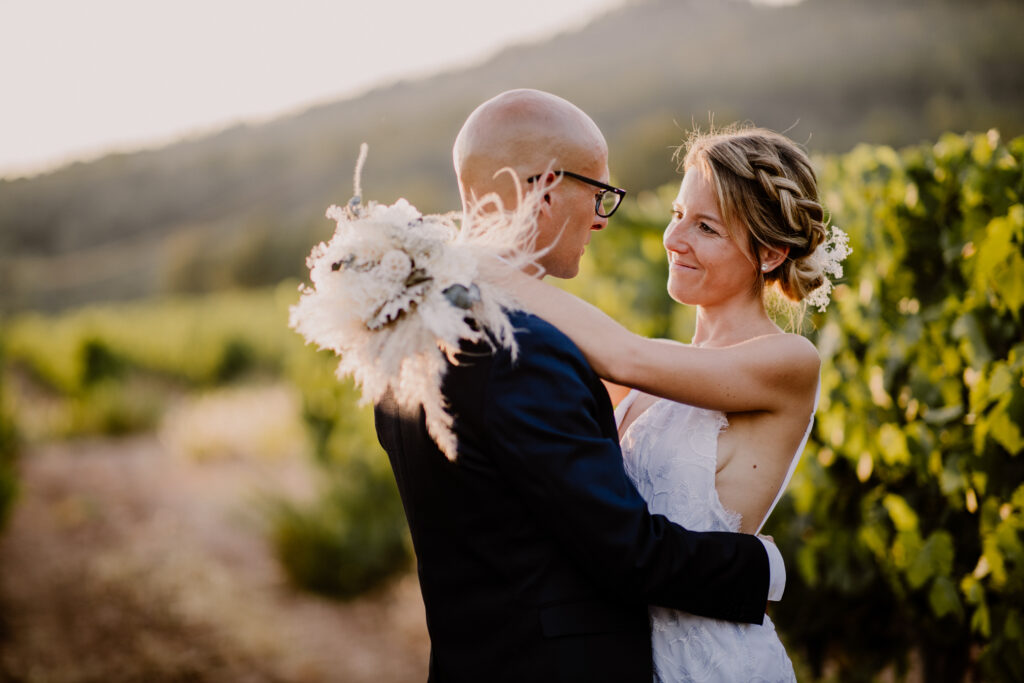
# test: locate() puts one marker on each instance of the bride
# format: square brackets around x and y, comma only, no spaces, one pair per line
[711,431]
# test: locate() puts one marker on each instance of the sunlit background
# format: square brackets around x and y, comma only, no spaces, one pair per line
[84,79]
[188,493]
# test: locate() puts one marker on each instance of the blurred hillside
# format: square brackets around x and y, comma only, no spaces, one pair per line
[243,207]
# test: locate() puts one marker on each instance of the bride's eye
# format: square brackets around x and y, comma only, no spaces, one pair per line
[677,215]
[705,228]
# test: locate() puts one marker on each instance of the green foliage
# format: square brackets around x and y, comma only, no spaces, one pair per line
[197,341]
[353,536]
[350,539]
[110,369]
[905,518]
[8,451]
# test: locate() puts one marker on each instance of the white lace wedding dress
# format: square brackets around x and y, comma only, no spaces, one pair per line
[670,453]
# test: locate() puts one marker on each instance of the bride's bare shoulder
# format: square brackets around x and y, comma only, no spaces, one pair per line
[801,347]
[793,357]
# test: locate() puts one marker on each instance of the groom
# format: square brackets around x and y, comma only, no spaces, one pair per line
[537,557]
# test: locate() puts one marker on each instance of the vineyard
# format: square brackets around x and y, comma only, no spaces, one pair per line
[903,529]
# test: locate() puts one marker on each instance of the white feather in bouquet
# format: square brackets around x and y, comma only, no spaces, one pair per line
[394,292]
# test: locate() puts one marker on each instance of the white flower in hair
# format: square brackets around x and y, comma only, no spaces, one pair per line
[830,255]
[394,293]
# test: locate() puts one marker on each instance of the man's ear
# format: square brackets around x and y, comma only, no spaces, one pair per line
[549,179]
[544,208]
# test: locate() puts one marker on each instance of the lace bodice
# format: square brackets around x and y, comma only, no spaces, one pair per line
[667,425]
[670,453]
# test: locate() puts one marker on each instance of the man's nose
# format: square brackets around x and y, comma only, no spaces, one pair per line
[599,222]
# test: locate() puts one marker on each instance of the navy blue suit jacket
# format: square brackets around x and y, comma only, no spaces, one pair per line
[536,555]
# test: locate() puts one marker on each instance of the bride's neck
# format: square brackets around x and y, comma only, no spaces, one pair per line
[732,323]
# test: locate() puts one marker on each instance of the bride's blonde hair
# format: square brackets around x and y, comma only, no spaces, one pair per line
[765,182]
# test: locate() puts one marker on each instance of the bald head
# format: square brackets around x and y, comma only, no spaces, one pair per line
[526,131]
[530,132]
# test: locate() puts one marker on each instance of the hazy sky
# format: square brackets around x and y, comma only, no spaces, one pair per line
[79,78]
[82,77]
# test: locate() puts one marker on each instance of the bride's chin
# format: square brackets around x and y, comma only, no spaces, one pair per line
[679,296]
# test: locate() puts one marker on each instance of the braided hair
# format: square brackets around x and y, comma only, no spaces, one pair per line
[765,182]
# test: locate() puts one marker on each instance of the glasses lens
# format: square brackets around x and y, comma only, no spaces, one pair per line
[607,203]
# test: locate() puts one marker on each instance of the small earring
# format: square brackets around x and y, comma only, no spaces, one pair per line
[764,267]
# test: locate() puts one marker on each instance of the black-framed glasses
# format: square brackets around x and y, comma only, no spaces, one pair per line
[606,201]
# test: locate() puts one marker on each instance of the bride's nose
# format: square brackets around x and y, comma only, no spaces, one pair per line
[674,236]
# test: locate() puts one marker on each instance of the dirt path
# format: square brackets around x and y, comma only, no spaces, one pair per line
[122,562]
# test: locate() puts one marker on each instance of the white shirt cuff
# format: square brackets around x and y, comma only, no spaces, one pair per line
[776,569]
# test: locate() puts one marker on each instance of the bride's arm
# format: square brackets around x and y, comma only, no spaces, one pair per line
[760,374]
[616,392]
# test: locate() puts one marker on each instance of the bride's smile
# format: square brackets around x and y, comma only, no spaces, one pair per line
[675,260]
